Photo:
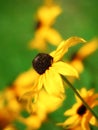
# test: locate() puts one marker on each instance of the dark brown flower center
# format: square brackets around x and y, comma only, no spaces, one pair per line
[42,62]
[81,110]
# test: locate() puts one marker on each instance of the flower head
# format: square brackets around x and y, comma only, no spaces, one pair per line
[48,13]
[48,68]
[80,116]
[44,33]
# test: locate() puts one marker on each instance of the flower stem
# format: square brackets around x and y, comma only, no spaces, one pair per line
[79,96]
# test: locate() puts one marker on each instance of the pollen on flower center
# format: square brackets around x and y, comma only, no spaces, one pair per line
[42,62]
[81,110]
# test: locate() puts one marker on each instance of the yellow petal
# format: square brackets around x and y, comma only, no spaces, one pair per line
[94,121]
[53,36]
[88,48]
[78,65]
[25,82]
[32,122]
[72,111]
[53,83]
[50,106]
[40,82]
[47,14]
[26,99]
[63,47]
[74,120]
[85,122]
[64,69]
[26,78]
[83,93]
[38,42]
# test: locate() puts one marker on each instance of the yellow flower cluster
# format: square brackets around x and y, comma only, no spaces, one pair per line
[41,89]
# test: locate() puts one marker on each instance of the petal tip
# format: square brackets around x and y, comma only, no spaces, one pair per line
[79,39]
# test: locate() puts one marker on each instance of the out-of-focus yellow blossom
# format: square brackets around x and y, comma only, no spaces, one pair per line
[45,104]
[84,51]
[5,118]
[47,14]
[12,101]
[24,84]
[44,33]
[80,116]
[10,105]
[48,68]
[7,112]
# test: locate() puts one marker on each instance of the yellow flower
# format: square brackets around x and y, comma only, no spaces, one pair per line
[45,104]
[80,116]
[13,104]
[47,14]
[23,82]
[9,110]
[33,122]
[49,67]
[44,33]
[84,51]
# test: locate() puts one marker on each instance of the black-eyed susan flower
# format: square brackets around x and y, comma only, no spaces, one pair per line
[44,33]
[48,68]
[80,116]
[84,52]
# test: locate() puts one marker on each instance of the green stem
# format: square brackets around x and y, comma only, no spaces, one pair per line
[77,93]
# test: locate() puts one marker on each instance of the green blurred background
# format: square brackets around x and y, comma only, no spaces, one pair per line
[17,23]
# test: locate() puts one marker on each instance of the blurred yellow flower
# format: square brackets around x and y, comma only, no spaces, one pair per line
[49,67]
[44,33]
[83,53]
[13,104]
[24,84]
[9,110]
[45,104]
[80,116]
[10,103]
